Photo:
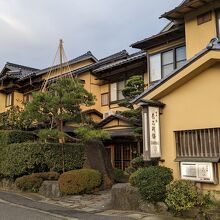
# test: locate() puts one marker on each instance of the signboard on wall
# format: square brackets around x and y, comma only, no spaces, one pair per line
[154,132]
[145,138]
[197,171]
[151,127]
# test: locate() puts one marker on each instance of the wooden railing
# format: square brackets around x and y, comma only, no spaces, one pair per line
[198,143]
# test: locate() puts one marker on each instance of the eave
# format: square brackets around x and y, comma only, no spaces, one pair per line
[185,7]
[161,38]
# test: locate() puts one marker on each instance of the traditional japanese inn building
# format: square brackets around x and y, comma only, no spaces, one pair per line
[105,78]
[181,71]
[181,106]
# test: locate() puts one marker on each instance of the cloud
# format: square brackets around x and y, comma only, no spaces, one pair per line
[30,30]
[15,24]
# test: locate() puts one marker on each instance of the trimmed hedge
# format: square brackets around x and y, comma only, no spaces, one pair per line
[79,181]
[33,182]
[151,182]
[29,183]
[16,136]
[26,158]
[47,175]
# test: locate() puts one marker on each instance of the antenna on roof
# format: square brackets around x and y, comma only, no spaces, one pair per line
[60,69]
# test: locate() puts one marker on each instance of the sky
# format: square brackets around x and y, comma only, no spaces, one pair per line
[30,29]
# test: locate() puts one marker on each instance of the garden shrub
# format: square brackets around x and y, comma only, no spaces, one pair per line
[47,175]
[26,158]
[129,170]
[183,195]
[79,181]
[137,162]
[16,136]
[151,182]
[119,176]
[29,183]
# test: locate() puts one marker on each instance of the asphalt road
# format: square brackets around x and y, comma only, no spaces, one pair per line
[13,212]
[17,207]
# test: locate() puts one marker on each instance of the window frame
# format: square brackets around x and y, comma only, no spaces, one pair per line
[12,99]
[27,95]
[117,90]
[173,63]
[173,49]
[106,93]
[217,17]
[124,82]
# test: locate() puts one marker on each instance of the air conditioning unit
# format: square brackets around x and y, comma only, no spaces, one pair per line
[107,114]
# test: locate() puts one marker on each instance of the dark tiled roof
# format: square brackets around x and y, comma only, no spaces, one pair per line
[8,64]
[93,111]
[120,55]
[117,116]
[175,32]
[213,45]
[85,56]
[130,58]
[16,71]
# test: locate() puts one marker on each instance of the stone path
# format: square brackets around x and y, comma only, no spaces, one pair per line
[90,203]
[80,207]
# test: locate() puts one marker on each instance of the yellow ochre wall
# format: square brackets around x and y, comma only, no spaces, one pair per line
[2,102]
[194,105]
[18,99]
[166,46]
[198,36]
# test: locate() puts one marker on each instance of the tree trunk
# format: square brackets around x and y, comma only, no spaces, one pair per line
[62,141]
[97,158]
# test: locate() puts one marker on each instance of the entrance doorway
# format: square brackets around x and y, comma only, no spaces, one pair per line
[122,154]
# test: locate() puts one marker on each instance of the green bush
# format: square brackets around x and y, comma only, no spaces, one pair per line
[183,195]
[137,162]
[29,183]
[119,176]
[26,158]
[16,136]
[79,181]
[152,182]
[129,170]
[47,175]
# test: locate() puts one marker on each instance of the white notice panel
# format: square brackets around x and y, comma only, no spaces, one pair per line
[145,126]
[199,172]
[154,132]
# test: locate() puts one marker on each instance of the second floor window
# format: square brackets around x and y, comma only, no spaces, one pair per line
[9,99]
[218,23]
[162,64]
[28,97]
[116,91]
[104,99]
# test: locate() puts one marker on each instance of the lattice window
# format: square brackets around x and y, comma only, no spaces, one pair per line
[198,143]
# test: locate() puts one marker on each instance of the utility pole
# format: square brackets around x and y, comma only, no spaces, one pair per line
[61,55]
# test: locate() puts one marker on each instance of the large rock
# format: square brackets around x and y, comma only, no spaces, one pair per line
[50,189]
[192,213]
[147,207]
[97,158]
[159,207]
[125,197]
